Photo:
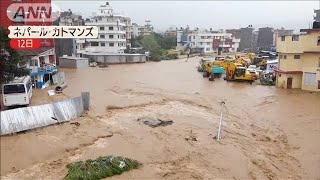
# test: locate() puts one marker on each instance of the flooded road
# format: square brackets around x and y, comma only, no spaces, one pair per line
[268,133]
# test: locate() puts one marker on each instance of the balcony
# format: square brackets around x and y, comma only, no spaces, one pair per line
[46,69]
[104,24]
[111,32]
[80,41]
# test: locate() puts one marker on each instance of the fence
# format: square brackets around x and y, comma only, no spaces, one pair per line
[21,119]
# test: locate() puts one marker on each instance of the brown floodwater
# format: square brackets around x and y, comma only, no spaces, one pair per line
[269,133]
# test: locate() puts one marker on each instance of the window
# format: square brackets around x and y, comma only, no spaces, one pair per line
[102,36]
[110,36]
[11,89]
[208,43]
[94,44]
[111,44]
[283,38]
[202,37]
[309,79]
[118,44]
[101,28]
[281,56]
[194,37]
[296,57]
[295,37]
[100,18]
[111,28]
[102,44]
[319,62]
[318,84]
[200,43]
[318,43]
[284,56]
[118,36]
[207,49]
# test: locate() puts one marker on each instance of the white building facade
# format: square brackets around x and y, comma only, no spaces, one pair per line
[115,31]
[209,42]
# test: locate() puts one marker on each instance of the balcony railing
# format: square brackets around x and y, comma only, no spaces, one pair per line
[47,68]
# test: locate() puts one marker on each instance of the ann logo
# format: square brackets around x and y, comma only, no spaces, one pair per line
[31,12]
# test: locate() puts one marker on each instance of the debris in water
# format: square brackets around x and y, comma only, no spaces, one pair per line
[76,123]
[157,122]
[191,137]
[101,167]
[51,92]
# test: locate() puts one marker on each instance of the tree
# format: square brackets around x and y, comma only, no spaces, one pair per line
[150,44]
[9,59]
[165,42]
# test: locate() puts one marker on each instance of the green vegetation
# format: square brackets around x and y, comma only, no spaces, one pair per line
[158,45]
[100,168]
[9,59]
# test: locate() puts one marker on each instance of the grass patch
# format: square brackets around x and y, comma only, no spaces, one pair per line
[100,168]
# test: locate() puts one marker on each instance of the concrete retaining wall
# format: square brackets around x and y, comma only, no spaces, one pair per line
[118,58]
[21,119]
[73,62]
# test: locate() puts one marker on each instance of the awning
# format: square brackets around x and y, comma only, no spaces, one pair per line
[288,72]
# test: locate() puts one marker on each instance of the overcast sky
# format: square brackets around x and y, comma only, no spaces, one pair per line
[207,14]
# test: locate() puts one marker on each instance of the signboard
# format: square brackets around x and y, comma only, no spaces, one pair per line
[272,67]
[215,43]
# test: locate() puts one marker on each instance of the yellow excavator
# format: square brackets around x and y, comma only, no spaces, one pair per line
[242,61]
[235,72]
[251,56]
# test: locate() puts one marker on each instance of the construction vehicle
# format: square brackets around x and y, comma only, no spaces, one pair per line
[212,71]
[248,55]
[245,62]
[234,72]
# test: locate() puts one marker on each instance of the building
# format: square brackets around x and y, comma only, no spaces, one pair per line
[246,37]
[171,32]
[280,32]
[317,16]
[70,47]
[265,38]
[299,60]
[114,31]
[144,30]
[207,41]
[41,61]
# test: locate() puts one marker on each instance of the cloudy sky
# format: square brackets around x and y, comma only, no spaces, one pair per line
[207,14]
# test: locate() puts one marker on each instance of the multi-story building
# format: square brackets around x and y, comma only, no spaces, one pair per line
[265,38]
[299,60]
[41,61]
[144,30]
[208,41]
[246,37]
[280,32]
[171,32]
[114,31]
[71,47]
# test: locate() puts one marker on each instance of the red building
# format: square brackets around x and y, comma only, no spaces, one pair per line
[6,22]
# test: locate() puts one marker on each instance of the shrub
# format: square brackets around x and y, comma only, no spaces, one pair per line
[100,168]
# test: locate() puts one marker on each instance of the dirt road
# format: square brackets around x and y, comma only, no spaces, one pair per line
[268,133]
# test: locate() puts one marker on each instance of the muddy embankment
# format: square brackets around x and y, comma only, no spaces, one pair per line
[267,133]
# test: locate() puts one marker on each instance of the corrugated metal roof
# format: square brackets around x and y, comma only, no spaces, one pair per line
[34,52]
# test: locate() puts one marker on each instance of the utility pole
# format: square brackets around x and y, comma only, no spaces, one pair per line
[220,123]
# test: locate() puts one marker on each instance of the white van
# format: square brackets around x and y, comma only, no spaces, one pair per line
[17,92]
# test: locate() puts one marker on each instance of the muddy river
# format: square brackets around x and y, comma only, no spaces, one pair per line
[268,133]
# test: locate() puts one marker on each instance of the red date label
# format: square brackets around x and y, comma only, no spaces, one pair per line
[25,43]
